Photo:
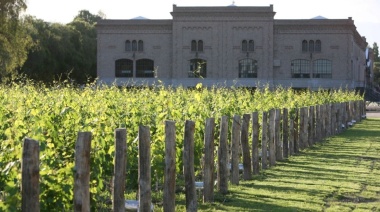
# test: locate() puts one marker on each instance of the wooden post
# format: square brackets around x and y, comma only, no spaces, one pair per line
[271,144]
[291,136]
[327,120]
[297,130]
[119,169]
[82,172]
[264,142]
[208,170]
[170,167]
[285,133]
[145,191]
[247,166]
[317,123]
[333,119]
[30,186]
[311,126]
[235,149]
[277,137]
[188,167]
[305,121]
[223,156]
[255,143]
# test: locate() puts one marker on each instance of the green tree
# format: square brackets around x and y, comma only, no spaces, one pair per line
[63,51]
[14,39]
[376,52]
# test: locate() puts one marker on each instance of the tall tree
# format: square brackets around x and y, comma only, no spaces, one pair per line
[376,52]
[14,40]
[63,51]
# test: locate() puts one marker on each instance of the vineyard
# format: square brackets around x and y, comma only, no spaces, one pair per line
[54,115]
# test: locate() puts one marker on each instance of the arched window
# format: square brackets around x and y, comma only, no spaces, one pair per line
[300,68]
[140,46]
[247,68]
[200,45]
[244,46]
[193,45]
[128,46]
[311,46]
[251,46]
[134,45]
[123,68]
[198,68]
[304,46]
[318,46]
[145,68]
[322,68]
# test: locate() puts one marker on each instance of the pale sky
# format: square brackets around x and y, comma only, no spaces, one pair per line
[365,13]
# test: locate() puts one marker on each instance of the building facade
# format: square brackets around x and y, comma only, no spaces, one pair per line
[241,46]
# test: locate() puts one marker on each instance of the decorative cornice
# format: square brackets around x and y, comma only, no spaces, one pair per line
[247,27]
[197,28]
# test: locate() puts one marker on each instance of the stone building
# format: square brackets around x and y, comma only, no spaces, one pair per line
[242,46]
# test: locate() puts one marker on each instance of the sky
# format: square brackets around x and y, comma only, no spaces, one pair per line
[365,13]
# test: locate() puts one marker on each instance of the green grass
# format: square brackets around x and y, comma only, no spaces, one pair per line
[341,173]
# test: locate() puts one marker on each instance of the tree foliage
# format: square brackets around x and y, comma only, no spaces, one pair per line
[63,51]
[14,39]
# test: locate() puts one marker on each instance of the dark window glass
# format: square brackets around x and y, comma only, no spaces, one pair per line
[123,68]
[140,46]
[128,46]
[318,46]
[311,46]
[322,69]
[200,46]
[145,68]
[300,68]
[247,68]
[304,46]
[251,46]
[134,45]
[198,68]
[244,46]
[193,46]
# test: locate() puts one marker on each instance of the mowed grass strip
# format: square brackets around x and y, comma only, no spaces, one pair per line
[341,173]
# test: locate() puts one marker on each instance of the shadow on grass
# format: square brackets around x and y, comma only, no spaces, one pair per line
[316,177]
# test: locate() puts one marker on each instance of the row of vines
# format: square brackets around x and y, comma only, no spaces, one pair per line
[54,115]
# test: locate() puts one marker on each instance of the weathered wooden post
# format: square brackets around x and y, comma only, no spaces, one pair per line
[264,141]
[272,145]
[291,135]
[302,133]
[255,143]
[30,186]
[311,126]
[145,190]
[305,128]
[235,149]
[208,170]
[285,133]
[297,130]
[82,172]
[328,120]
[170,166]
[247,166]
[119,169]
[333,119]
[277,136]
[188,167]
[317,123]
[223,156]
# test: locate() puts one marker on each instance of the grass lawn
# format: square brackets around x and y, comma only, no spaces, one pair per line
[340,174]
